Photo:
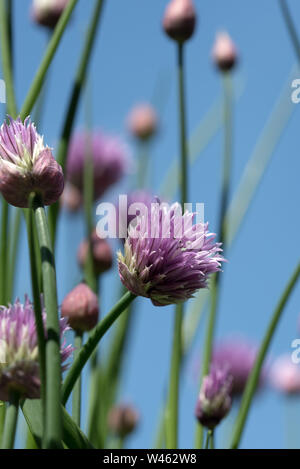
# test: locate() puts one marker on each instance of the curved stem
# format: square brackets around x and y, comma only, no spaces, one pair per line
[10,424]
[256,370]
[53,410]
[38,80]
[92,342]
[73,103]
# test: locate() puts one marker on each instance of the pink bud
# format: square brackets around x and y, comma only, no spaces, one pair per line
[81,308]
[224,52]
[102,254]
[122,420]
[142,121]
[180,20]
[48,12]
[285,375]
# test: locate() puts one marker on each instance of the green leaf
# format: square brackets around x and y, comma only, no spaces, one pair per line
[73,437]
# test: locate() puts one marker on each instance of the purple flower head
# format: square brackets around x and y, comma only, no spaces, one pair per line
[285,375]
[214,401]
[109,157]
[239,356]
[224,52]
[19,365]
[26,165]
[48,12]
[167,257]
[179,20]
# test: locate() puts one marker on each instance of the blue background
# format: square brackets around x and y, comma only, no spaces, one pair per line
[131,56]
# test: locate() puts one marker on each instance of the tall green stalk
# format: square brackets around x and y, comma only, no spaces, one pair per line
[53,409]
[256,370]
[222,230]
[36,298]
[173,403]
[73,103]
[6,54]
[92,343]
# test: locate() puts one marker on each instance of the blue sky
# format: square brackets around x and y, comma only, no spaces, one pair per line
[131,56]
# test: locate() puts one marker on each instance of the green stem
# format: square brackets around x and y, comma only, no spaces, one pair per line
[53,420]
[38,80]
[172,412]
[290,27]
[10,424]
[3,252]
[76,398]
[6,53]
[5,43]
[91,344]
[256,370]
[73,103]
[14,251]
[222,230]
[36,298]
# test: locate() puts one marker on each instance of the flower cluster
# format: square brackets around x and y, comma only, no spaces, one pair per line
[19,361]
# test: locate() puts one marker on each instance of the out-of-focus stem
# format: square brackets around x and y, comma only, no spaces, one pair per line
[73,103]
[256,370]
[225,191]
[290,27]
[38,80]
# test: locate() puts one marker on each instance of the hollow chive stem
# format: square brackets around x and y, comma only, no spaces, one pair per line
[76,398]
[92,342]
[53,410]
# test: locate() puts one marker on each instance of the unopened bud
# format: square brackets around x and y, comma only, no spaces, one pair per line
[180,20]
[48,12]
[214,400]
[101,252]
[224,52]
[142,122]
[122,420]
[81,307]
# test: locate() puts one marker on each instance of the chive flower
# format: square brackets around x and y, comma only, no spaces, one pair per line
[27,165]
[19,363]
[166,257]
